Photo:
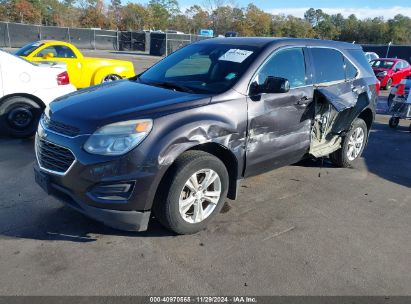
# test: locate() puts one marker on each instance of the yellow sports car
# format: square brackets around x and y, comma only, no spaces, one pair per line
[83,71]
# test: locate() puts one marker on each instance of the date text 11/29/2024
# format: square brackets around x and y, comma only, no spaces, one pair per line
[204,299]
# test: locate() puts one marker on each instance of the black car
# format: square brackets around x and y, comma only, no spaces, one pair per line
[177,139]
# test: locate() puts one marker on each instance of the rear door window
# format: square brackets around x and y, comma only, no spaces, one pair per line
[350,70]
[328,65]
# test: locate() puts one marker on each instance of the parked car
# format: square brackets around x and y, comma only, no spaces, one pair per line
[390,71]
[371,56]
[232,34]
[83,71]
[407,85]
[25,90]
[177,139]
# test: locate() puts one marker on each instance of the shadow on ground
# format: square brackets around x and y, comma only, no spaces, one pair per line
[26,212]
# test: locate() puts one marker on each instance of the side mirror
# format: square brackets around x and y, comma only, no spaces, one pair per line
[275,85]
[48,55]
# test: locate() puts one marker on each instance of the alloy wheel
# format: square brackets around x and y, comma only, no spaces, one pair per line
[200,196]
[355,143]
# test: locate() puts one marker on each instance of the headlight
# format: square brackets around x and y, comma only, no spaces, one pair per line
[118,138]
[382,74]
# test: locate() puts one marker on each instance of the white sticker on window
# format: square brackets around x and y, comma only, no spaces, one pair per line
[235,55]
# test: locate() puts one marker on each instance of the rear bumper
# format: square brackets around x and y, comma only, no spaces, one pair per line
[129,220]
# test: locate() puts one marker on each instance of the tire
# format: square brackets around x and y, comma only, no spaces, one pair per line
[409,128]
[393,122]
[20,116]
[344,157]
[110,78]
[389,84]
[174,193]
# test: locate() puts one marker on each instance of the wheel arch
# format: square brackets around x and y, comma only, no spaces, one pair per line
[368,116]
[223,154]
[228,159]
[101,72]
[35,101]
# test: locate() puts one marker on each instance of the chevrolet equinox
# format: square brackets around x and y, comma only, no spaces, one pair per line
[178,138]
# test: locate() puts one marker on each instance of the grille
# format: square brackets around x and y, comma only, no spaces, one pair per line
[53,157]
[59,127]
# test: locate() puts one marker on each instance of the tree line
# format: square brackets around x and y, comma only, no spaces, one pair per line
[219,15]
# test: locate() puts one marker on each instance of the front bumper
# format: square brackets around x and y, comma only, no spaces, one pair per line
[77,185]
[130,220]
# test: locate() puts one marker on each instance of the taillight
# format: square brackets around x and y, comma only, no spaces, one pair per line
[400,90]
[63,78]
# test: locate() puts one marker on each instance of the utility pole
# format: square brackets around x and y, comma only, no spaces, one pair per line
[388,49]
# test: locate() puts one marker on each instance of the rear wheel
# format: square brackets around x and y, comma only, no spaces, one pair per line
[193,192]
[393,122]
[110,78]
[352,145]
[20,116]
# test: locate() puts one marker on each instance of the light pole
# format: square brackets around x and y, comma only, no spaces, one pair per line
[388,49]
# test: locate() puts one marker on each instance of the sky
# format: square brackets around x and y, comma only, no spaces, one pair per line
[361,8]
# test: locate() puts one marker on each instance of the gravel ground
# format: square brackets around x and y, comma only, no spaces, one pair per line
[306,229]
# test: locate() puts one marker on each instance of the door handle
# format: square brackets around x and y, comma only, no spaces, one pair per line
[303,101]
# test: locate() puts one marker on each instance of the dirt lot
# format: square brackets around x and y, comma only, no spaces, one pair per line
[306,229]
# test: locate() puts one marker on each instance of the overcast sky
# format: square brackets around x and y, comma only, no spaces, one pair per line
[361,8]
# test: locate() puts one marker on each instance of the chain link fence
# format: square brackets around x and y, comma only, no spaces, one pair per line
[390,51]
[16,35]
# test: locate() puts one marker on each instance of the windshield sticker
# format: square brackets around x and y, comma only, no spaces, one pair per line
[233,75]
[235,55]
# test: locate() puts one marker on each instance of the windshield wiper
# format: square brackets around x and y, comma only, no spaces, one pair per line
[173,86]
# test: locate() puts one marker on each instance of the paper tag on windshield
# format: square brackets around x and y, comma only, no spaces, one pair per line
[235,55]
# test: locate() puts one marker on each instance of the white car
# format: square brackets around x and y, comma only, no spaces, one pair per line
[371,56]
[25,91]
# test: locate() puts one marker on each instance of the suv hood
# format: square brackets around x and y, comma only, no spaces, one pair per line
[91,108]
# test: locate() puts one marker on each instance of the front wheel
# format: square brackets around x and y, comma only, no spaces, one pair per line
[192,193]
[352,145]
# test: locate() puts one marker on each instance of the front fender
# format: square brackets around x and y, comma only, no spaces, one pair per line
[100,73]
[223,123]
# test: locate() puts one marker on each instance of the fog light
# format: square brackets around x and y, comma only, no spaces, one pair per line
[113,192]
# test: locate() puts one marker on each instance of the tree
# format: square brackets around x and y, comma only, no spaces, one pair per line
[256,22]
[314,16]
[198,18]
[25,12]
[114,15]
[400,29]
[93,14]
[134,17]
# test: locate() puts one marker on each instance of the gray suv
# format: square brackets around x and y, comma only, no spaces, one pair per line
[177,139]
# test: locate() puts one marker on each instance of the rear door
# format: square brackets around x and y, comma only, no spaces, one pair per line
[335,78]
[279,124]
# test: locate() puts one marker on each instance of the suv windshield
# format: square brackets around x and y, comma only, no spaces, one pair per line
[28,49]
[383,64]
[202,68]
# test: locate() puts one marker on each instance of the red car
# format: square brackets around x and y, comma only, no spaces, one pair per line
[390,71]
